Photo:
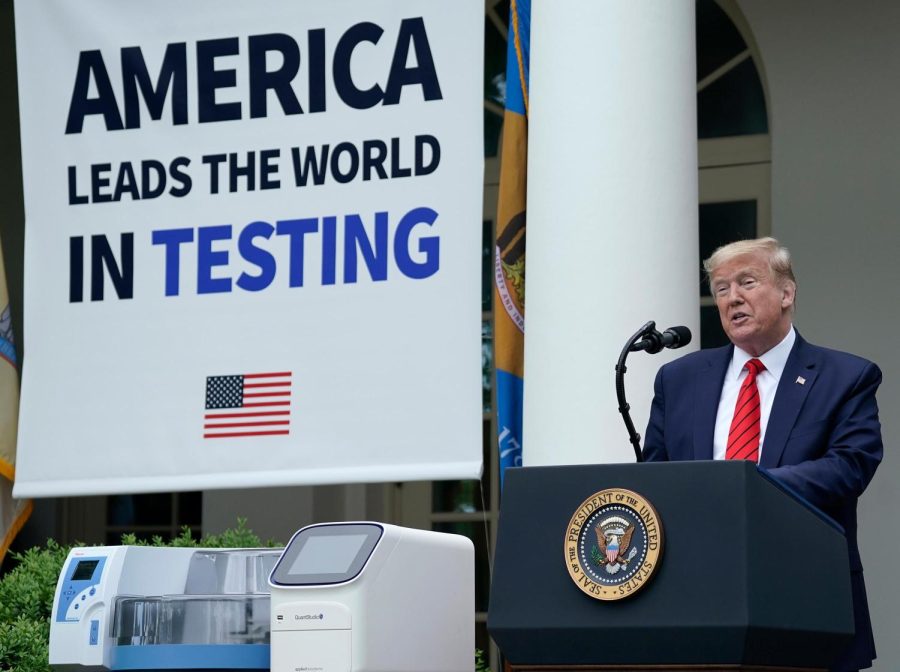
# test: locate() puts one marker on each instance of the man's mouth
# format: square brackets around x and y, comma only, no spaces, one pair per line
[737,318]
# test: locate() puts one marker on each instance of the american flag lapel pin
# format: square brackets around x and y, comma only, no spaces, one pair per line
[801,380]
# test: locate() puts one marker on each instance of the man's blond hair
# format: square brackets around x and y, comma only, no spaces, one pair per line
[778,256]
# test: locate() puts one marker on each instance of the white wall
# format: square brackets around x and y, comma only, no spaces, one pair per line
[276,513]
[832,70]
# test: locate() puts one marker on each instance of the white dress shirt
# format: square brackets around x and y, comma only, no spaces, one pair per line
[766,381]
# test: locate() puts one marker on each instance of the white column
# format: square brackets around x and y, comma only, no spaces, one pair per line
[612,215]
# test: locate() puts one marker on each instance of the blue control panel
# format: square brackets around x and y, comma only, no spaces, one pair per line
[79,588]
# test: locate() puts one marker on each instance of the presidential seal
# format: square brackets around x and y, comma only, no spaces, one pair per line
[613,544]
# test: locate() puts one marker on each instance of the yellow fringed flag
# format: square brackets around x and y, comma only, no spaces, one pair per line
[13,512]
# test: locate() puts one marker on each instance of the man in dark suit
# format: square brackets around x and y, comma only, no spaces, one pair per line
[806,414]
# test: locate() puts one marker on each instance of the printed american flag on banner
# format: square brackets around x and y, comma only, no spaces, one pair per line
[249,404]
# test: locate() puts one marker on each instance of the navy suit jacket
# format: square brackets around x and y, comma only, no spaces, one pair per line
[823,438]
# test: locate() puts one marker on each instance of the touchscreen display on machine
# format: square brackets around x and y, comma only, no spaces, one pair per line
[328,555]
[323,554]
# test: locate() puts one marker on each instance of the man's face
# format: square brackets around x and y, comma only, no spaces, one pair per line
[755,311]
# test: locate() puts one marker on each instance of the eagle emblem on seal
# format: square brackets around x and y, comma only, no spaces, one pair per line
[613,539]
[613,544]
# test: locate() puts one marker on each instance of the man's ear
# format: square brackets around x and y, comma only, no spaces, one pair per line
[788,293]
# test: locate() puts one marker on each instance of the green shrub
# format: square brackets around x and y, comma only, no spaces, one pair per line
[23,645]
[27,591]
[238,537]
[26,599]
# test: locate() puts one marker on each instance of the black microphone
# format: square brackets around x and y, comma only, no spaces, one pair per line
[653,341]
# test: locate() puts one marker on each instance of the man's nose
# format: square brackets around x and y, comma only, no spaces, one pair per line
[734,294]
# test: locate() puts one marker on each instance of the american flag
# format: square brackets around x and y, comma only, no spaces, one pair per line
[249,404]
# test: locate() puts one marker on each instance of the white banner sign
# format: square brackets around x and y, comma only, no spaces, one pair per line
[253,239]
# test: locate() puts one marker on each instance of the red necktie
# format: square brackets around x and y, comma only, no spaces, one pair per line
[743,437]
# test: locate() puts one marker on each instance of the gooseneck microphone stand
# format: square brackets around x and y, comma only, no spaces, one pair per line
[624,408]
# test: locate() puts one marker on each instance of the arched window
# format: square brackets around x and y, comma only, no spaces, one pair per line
[733,138]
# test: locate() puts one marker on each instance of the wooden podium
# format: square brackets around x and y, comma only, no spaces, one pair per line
[750,577]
